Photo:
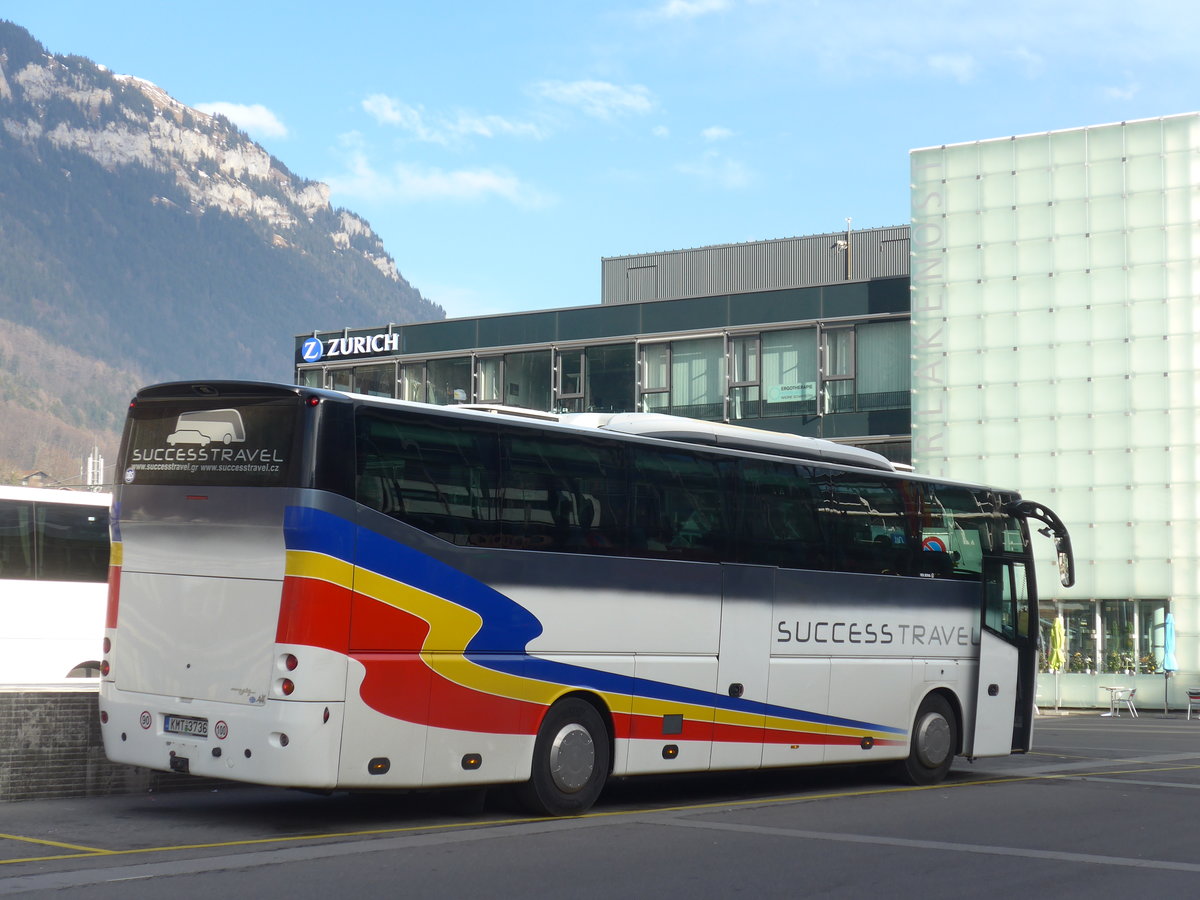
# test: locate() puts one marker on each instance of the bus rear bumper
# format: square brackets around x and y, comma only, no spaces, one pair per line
[282,742]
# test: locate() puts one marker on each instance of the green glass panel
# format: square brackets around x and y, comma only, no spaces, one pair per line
[585,323]
[684,315]
[434,337]
[527,328]
[764,307]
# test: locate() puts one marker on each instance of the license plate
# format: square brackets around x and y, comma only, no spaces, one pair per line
[185,725]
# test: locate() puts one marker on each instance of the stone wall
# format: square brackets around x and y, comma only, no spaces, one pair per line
[50,747]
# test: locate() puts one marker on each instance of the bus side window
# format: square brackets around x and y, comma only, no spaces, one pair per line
[16,539]
[776,516]
[439,478]
[678,505]
[562,495]
[867,526]
[957,528]
[72,542]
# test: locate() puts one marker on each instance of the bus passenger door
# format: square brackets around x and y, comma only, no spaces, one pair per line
[1007,662]
[743,663]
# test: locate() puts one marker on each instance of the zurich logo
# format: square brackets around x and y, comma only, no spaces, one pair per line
[312,350]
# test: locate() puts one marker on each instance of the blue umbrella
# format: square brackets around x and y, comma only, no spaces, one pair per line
[1169,663]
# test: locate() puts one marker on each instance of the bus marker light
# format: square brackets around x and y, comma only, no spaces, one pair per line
[670,751]
[867,743]
[472,761]
[379,765]
[284,740]
[325,716]
[104,717]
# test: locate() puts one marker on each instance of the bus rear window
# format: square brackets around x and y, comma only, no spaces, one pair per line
[251,444]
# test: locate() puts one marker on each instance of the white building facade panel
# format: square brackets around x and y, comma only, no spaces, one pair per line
[1055,281]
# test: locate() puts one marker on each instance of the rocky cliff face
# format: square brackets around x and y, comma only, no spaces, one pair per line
[131,121]
[158,242]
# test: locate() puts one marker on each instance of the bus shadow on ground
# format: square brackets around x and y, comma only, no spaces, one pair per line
[271,811]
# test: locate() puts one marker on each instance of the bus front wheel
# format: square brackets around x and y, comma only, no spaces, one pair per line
[933,744]
[570,761]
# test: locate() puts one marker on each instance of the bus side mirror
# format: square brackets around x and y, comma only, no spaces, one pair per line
[1055,530]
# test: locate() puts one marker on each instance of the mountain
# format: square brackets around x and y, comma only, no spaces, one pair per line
[142,240]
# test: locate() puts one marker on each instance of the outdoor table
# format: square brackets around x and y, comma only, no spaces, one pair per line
[1116,693]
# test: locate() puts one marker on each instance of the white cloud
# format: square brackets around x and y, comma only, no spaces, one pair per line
[717,170]
[685,9]
[960,66]
[661,131]
[600,99]
[1034,64]
[408,183]
[967,41]
[444,130]
[254,119]
[1126,93]
[716,133]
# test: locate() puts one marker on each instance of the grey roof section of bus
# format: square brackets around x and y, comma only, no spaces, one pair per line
[734,437]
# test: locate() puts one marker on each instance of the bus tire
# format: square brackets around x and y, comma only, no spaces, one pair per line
[934,743]
[570,761]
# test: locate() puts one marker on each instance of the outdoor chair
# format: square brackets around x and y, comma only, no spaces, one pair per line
[1193,700]
[1129,698]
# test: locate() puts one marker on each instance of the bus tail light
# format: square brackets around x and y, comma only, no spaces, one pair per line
[290,662]
[286,687]
[105,668]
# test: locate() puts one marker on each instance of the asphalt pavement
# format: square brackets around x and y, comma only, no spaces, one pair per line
[1103,806]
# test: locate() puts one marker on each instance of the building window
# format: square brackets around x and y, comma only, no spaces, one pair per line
[789,372]
[1107,636]
[745,388]
[883,365]
[449,380]
[685,378]
[598,379]
[656,377]
[837,370]
[516,379]
[313,378]
[412,383]
[378,380]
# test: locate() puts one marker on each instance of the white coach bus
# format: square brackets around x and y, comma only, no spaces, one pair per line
[369,593]
[54,554]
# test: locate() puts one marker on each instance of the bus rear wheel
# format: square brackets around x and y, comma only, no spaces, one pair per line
[934,743]
[570,761]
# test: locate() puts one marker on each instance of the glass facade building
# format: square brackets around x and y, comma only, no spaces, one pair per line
[1055,280]
[827,360]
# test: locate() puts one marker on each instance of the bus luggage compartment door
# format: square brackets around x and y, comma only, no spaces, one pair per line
[995,699]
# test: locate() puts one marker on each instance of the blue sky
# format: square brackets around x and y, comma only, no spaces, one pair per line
[500,150]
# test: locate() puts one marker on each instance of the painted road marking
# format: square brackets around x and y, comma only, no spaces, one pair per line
[493,827]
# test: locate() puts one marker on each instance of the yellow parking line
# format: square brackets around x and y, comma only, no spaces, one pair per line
[32,840]
[692,807]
